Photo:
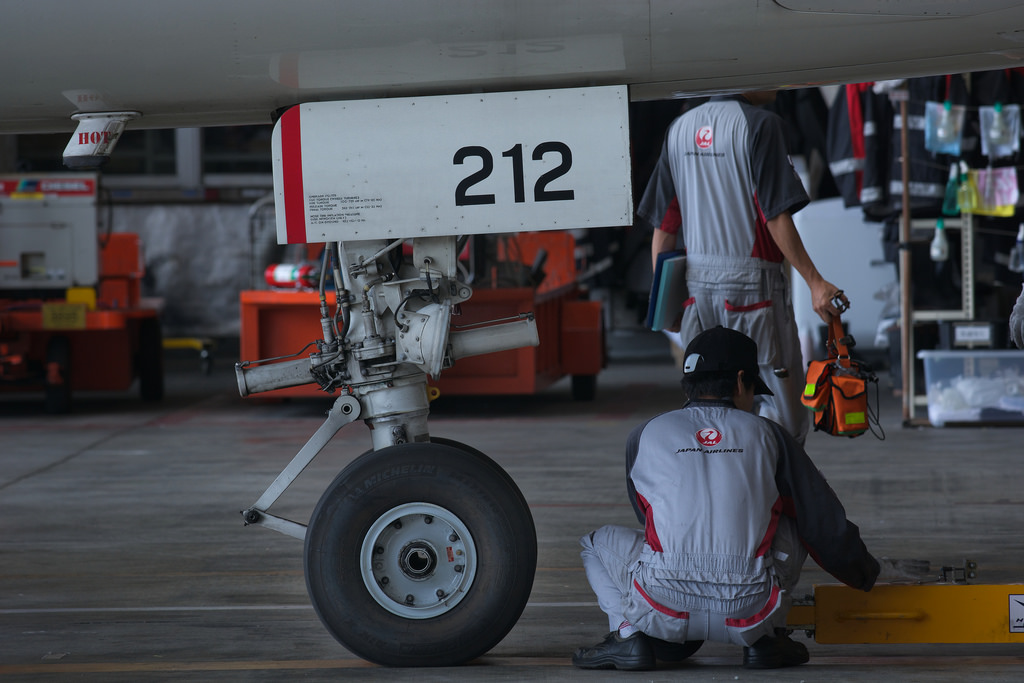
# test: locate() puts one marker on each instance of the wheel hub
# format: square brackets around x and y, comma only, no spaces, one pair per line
[418,560]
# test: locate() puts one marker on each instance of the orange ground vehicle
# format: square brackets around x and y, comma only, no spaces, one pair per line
[277,323]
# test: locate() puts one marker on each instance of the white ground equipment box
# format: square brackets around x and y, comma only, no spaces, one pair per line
[53,249]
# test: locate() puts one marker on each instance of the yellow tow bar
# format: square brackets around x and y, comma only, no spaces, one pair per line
[917,613]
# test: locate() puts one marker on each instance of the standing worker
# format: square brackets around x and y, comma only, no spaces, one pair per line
[725,189]
[730,506]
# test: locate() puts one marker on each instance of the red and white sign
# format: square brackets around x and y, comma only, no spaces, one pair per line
[48,187]
[453,165]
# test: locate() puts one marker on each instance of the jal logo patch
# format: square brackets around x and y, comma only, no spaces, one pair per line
[704,137]
[709,436]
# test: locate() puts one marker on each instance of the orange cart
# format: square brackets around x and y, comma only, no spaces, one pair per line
[278,323]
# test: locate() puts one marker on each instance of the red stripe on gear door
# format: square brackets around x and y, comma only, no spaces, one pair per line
[291,173]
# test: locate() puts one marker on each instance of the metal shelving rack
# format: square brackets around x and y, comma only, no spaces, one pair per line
[965,225]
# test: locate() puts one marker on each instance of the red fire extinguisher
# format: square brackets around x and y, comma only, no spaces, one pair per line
[291,275]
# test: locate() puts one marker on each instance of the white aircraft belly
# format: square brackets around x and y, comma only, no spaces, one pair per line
[196,62]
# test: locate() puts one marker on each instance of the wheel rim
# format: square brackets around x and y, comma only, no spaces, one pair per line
[418,560]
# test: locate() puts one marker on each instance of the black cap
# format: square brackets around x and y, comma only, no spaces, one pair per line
[721,352]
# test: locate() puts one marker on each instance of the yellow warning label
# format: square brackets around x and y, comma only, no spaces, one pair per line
[64,316]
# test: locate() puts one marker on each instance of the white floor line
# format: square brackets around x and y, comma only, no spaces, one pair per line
[214,608]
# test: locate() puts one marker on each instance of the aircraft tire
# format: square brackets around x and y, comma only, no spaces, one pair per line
[421,554]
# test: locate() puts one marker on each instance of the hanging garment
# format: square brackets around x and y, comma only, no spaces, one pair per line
[870,119]
[928,171]
[845,142]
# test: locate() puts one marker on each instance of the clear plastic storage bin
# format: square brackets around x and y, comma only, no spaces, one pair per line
[981,386]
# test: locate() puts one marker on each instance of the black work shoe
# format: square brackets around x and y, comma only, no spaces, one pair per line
[667,651]
[774,652]
[615,652]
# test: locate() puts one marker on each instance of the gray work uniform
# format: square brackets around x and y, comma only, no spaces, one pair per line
[730,505]
[724,172]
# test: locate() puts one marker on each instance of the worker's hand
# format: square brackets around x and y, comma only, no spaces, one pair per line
[1017,322]
[676,325]
[824,297]
[904,571]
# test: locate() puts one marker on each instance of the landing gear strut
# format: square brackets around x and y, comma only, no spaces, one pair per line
[421,552]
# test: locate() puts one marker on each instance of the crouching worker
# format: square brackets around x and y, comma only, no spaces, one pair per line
[728,501]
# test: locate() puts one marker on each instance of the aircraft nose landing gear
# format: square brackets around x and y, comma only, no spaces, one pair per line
[422,552]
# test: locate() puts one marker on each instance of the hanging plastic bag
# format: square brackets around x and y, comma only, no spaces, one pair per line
[1000,130]
[997,191]
[943,127]
[836,389]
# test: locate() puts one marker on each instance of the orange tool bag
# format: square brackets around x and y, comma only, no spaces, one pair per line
[836,389]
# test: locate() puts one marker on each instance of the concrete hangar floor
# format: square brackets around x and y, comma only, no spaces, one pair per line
[123,556]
